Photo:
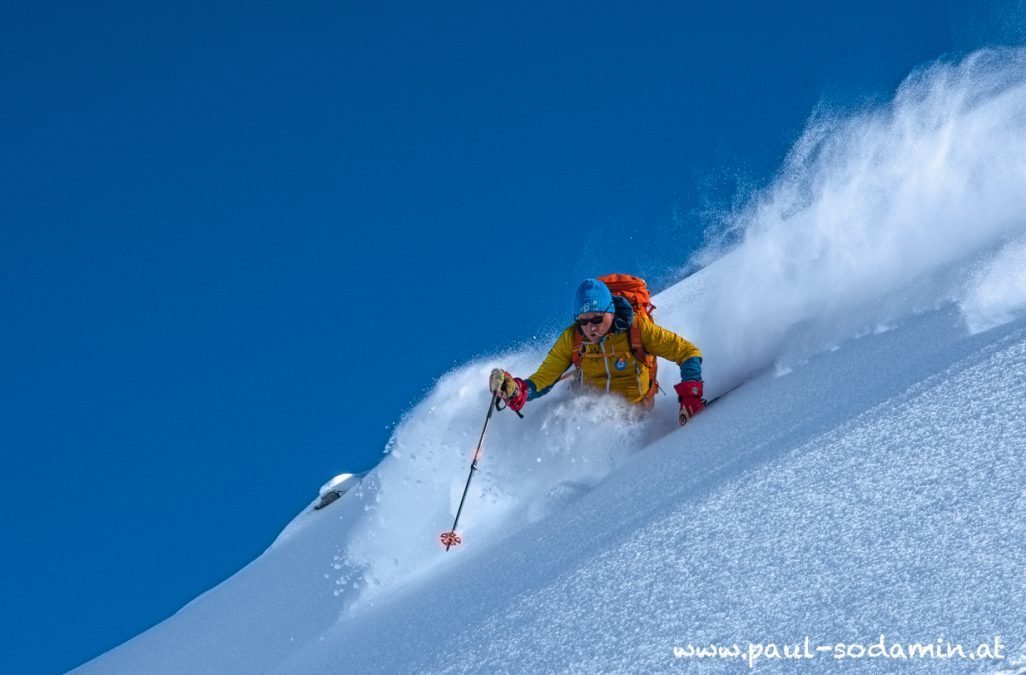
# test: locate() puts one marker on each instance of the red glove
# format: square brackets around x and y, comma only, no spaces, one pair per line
[517,400]
[689,394]
[510,389]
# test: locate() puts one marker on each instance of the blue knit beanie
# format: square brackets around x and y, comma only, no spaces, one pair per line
[592,296]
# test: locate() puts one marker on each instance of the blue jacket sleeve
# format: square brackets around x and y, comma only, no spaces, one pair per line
[533,392]
[691,369]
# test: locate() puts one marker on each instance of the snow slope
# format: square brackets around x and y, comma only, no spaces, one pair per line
[865,480]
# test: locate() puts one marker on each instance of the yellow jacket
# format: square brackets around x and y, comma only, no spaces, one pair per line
[613,366]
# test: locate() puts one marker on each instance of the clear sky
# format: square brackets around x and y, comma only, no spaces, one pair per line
[239,240]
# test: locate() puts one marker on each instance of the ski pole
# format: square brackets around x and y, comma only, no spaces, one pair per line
[450,538]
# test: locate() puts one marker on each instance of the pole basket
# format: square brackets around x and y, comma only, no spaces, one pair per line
[450,539]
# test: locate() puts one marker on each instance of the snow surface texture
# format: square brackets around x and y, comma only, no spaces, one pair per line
[867,479]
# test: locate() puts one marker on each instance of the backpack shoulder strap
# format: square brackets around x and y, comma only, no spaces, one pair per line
[575,355]
[637,346]
[642,355]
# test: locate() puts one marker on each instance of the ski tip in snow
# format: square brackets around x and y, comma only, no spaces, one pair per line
[331,491]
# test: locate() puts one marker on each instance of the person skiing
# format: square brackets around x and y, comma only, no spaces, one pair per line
[613,347]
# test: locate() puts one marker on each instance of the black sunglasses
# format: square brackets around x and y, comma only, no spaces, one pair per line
[595,320]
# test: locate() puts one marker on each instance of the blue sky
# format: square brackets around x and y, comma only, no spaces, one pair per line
[239,241]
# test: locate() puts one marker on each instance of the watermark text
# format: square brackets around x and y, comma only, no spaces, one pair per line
[754,652]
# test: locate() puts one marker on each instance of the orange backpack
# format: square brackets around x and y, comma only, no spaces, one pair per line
[635,291]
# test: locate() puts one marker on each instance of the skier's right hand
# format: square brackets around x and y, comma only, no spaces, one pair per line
[510,389]
[502,383]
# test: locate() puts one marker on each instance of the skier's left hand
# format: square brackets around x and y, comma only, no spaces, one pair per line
[689,394]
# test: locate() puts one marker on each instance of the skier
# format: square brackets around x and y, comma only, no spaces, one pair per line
[613,344]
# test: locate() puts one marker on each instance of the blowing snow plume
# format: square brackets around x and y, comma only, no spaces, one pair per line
[529,467]
[877,215]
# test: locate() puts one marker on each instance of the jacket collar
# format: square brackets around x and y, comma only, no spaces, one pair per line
[623,315]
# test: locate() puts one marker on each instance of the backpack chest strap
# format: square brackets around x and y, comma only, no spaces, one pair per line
[605,355]
[637,349]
